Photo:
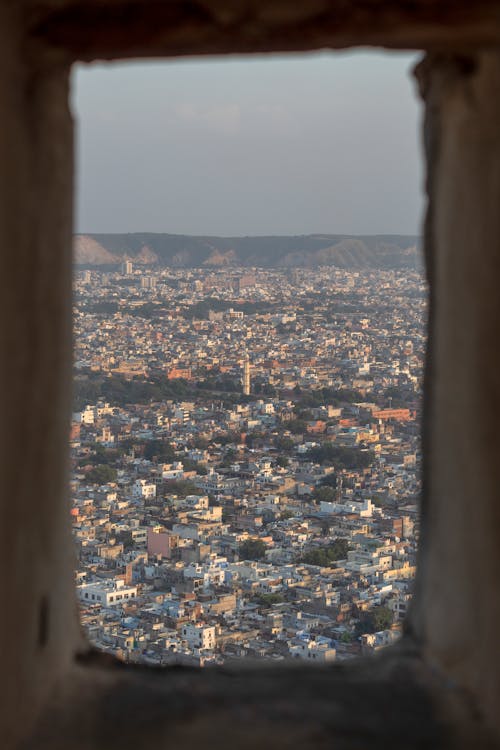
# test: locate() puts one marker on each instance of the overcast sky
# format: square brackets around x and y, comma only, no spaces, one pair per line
[276,145]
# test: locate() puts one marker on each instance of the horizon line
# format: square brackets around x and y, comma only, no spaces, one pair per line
[244,236]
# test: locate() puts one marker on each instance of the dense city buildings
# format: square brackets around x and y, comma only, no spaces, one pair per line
[245,460]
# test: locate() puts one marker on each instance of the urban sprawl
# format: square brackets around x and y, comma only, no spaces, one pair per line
[246,460]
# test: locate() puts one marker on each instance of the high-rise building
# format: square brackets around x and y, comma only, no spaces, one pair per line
[148,282]
[126,267]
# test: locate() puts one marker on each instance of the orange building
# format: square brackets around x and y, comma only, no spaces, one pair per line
[316,427]
[176,373]
[400,415]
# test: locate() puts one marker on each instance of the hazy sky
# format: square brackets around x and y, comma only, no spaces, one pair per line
[276,145]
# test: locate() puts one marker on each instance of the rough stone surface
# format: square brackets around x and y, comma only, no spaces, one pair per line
[458,604]
[38,617]
[90,29]
[388,703]
[412,700]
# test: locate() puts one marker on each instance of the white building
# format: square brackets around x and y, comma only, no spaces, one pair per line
[107,593]
[144,489]
[318,650]
[140,535]
[199,636]
[210,574]
[363,509]
[86,416]
[195,502]
[148,282]
[172,471]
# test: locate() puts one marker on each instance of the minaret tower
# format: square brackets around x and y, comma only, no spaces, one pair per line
[246,376]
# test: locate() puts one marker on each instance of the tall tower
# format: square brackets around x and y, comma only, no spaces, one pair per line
[246,376]
[126,267]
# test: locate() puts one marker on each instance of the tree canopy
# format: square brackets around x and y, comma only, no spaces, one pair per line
[375,619]
[325,555]
[252,549]
[340,456]
[102,474]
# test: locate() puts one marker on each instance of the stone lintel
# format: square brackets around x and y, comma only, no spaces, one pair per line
[87,30]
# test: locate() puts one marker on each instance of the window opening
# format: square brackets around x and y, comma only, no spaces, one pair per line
[245,436]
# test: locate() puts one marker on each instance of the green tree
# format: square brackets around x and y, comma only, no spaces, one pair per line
[346,637]
[125,537]
[297,426]
[252,549]
[324,494]
[102,474]
[376,619]
[382,617]
[190,465]
[340,456]
[323,556]
[181,488]
[330,480]
[201,443]
[253,437]
[266,600]
[284,444]
[159,449]
[269,390]
[229,458]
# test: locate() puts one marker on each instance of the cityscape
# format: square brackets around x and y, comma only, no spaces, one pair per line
[250,377]
[245,457]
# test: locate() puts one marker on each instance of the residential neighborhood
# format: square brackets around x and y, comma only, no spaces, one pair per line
[245,450]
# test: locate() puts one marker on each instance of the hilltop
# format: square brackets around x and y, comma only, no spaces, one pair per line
[187,251]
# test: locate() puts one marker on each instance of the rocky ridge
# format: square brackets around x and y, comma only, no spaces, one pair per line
[310,251]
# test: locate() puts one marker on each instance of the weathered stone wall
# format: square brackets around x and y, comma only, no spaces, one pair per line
[37,620]
[386,703]
[458,606]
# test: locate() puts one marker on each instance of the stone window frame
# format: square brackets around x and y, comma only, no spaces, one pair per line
[441,685]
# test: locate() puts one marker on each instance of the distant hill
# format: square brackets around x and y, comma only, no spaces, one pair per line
[312,250]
